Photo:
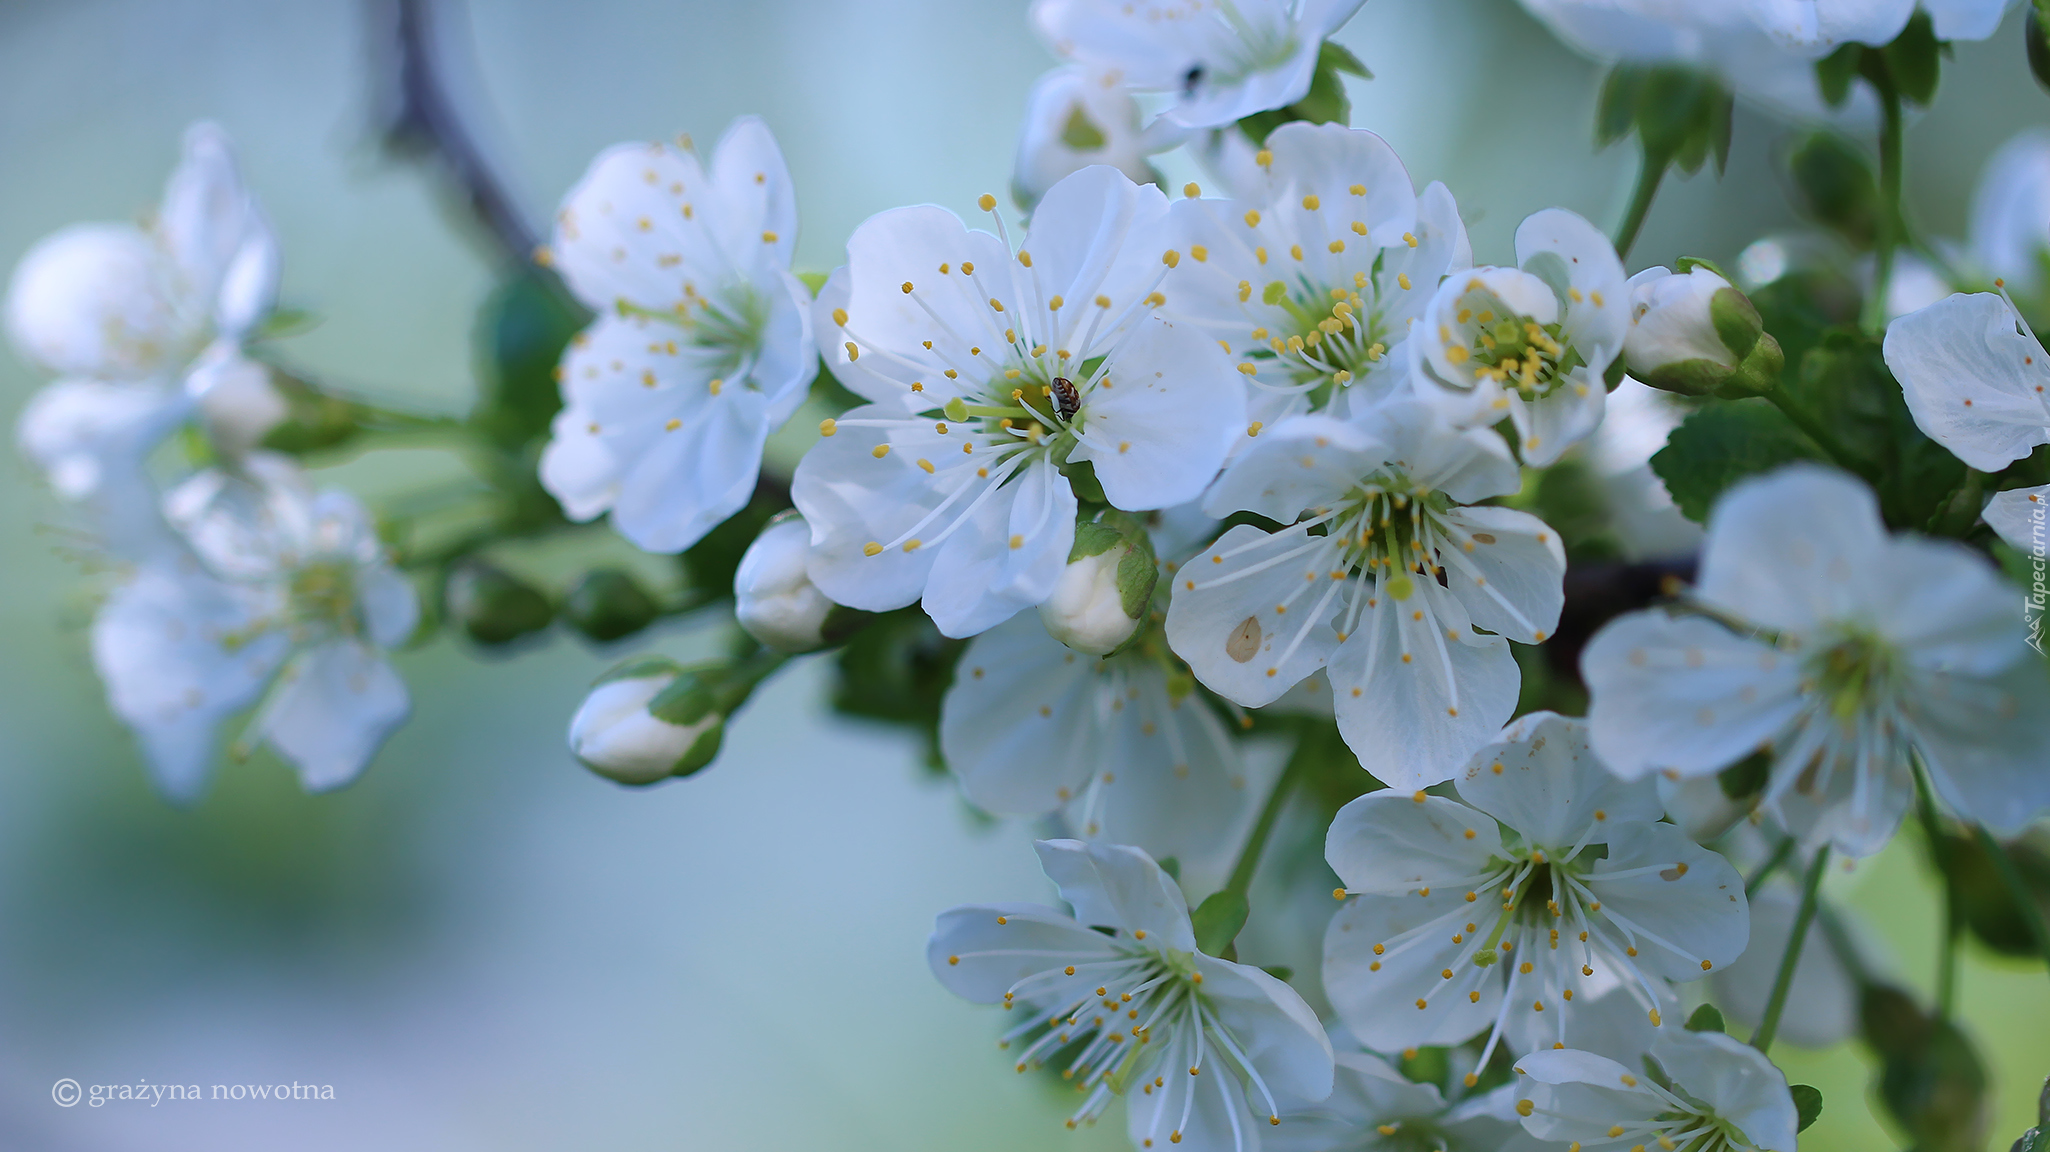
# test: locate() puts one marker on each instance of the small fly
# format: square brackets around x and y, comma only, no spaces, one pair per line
[1065,398]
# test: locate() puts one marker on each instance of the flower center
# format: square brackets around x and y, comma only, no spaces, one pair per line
[1860,672]
[1513,349]
[322,595]
[727,323]
[1334,334]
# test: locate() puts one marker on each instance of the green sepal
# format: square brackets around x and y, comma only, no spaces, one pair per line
[1736,320]
[1082,480]
[1807,1104]
[281,322]
[1834,73]
[1281,972]
[638,668]
[1914,59]
[1686,264]
[1217,920]
[1689,377]
[2036,37]
[1137,570]
[492,605]
[1758,373]
[1339,58]
[814,281]
[1707,1018]
[691,696]
[1745,778]
[702,751]
[1616,108]
[1836,186]
[1172,865]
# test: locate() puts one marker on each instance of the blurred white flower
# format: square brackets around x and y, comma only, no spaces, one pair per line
[145,327]
[1416,682]
[773,596]
[1316,277]
[1116,746]
[1207,1044]
[1075,117]
[993,374]
[279,587]
[1221,59]
[1373,1107]
[1840,649]
[1821,1007]
[703,341]
[1709,1094]
[2010,215]
[1493,912]
[1532,342]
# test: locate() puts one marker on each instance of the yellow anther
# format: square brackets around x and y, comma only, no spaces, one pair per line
[853,351]
[840,317]
[1336,246]
[1402,278]
[925,464]
[1191,190]
[1264,158]
[828,426]
[874,549]
[1311,202]
[907,287]
[1171,258]
[1247,368]
[768,237]
[1252,218]
[986,202]
[880,451]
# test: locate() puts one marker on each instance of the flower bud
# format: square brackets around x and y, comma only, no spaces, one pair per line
[642,724]
[774,598]
[1106,589]
[1672,338]
[236,397]
[608,604]
[492,605]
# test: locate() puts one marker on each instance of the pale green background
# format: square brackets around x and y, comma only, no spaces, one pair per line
[479,945]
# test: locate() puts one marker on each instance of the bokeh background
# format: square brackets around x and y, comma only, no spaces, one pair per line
[482,946]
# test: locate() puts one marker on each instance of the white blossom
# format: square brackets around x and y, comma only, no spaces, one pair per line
[1493,912]
[1086,609]
[1842,652]
[275,587]
[993,374]
[703,341]
[1076,116]
[1221,59]
[145,325]
[1532,342]
[1316,278]
[1207,1053]
[1974,376]
[1670,322]
[1122,748]
[1710,1094]
[2010,213]
[773,596]
[1420,669]
[1373,1107]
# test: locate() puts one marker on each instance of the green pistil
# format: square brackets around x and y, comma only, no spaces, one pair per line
[1854,672]
[324,592]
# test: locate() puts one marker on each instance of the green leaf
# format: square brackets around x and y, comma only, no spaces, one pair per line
[1138,573]
[711,562]
[1807,1104]
[1982,898]
[1706,1018]
[1218,919]
[2036,36]
[1722,444]
[1281,972]
[1845,384]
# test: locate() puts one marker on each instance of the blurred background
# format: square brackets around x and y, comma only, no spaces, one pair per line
[482,946]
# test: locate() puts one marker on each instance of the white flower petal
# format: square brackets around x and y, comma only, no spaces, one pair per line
[1330,160]
[1116,886]
[207,213]
[1679,905]
[1276,1032]
[1377,995]
[1006,557]
[334,707]
[102,301]
[1159,432]
[1392,845]
[1300,462]
[1737,1080]
[979,958]
[1508,568]
[1240,634]
[2018,516]
[1683,693]
[1985,742]
[851,500]
[1974,377]
[1017,697]
[1543,780]
[1793,548]
[1822,1005]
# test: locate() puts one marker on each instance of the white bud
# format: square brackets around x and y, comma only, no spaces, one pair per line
[1074,118]
[99,300]
[616,737]
[774,598]
[1087,611]
[1670,321]
[236,396]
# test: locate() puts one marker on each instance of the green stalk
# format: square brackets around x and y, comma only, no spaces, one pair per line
[1256,842]
[2017,890]
[1812,428]
[1650,172]
[1762,1039]
[1771,865]
[1890,220]
[1953,916]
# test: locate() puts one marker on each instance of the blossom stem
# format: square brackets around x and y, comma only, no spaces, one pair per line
[1256,841]
[1771,865]
[1651,171]
[1791,958]
[1953,919]
[1890,223]
[2017,889]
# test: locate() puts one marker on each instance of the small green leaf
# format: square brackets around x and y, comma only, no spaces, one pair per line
[1706,1018]
[1616,109]
[1807,1104]
[1218,919]
[1094,538]
[1913,60]
[1722,444]
[1834,73]
[1137,575]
